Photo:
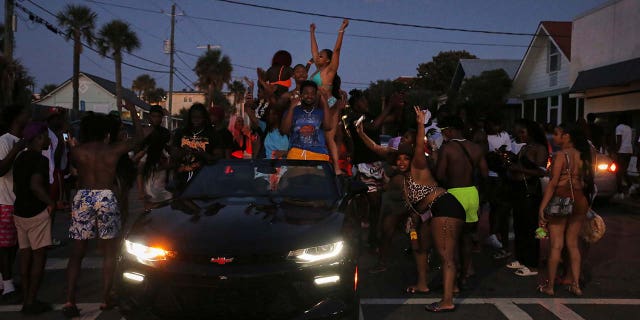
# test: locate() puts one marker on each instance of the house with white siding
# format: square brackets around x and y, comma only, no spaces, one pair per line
[541,83]
[605,68]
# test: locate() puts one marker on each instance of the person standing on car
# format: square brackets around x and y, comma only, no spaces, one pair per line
[95,210]
[623,152]
[33,209]
[460,166]
[306,122]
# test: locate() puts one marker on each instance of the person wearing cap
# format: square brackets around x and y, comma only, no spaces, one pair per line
[460,166]
[32,215]
[15,118]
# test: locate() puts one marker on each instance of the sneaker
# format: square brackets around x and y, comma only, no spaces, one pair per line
[493,241]
[515,265]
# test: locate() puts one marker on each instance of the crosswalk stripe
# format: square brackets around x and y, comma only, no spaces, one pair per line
[564,301]
[61,263]
[511,311]
[561,311]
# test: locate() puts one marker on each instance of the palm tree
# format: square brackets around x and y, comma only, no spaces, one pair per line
[15,83]
[156,95]
[213,71]
[47,88]
[143,85]
[113,38]
[79,23]
[237,89]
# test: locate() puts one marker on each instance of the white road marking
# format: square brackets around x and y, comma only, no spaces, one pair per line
[561,311]
[602,301]
[61,263]
[511,311]
[360,313]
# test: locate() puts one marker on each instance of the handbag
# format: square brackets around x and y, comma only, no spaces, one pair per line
[561,206]
[593,228]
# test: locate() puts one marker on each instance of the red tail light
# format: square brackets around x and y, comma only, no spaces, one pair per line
[613,167]
[355,280]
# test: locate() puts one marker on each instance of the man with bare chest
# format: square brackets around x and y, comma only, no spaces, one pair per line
[95,211]
[459,166]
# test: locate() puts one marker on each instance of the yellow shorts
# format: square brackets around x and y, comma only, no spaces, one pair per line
[300,154]
[470,201]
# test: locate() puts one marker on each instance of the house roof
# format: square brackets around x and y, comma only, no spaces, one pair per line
[475,67]
[556,31]
[127,94]
[468,68]
[617,74]
[560,33]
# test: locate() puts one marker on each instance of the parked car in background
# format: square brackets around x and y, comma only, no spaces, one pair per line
[263,239]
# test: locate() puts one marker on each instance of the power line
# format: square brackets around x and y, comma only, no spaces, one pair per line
[328,33]
[390,23]
[54,29]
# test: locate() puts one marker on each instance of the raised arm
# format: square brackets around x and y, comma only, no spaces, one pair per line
[419,160]
[287,119]
[314,43]
[335,59]
[126,146]
[371,145]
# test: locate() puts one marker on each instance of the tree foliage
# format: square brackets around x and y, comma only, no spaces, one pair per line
[79,23]
[143,85]
[436,75]
[155,96]
[15,83]
[484,94]
[213,71]
[47,88]
[114,38]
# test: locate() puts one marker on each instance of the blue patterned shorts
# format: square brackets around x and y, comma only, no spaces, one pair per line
[94,212]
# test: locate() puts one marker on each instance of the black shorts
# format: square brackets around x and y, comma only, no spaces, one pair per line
[448,206]
[470,227]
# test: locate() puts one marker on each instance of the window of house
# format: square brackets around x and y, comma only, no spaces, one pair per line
[553,59]
[185,99]
[554,112]
[190,99]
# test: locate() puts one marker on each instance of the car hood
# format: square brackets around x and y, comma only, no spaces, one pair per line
[237,229]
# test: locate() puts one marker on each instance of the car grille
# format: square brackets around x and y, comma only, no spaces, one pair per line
[273,298]
[254,259]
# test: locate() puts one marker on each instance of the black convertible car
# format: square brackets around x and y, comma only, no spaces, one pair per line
[263,239]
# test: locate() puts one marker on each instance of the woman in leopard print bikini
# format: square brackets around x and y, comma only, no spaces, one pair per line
[444,217]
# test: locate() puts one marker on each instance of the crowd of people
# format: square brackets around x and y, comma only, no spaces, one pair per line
[433,178]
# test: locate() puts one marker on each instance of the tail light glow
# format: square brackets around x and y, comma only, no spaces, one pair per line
[613,167]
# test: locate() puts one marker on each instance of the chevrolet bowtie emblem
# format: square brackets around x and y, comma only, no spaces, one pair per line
[221,260]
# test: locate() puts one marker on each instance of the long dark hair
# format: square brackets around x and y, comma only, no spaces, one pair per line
[197,107]
[155,143]
[580,142]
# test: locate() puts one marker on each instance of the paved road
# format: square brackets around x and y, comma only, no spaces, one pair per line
[612,290]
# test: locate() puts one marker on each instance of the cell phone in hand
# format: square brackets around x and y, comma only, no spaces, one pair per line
[65,136]
[359,121]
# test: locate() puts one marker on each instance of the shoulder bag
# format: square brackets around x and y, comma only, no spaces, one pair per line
[561,206]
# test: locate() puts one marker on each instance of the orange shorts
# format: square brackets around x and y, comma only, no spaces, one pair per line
[300,154]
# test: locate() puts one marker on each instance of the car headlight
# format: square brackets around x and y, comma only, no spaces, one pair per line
[144,253]
[315,254]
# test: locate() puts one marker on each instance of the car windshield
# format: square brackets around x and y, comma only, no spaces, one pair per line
[289,180]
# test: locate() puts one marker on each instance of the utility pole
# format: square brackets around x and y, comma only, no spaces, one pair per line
[9,24]
[171,52]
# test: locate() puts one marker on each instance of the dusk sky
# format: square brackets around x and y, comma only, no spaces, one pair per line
[48,57]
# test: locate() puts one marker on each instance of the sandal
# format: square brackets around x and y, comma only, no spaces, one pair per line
[414,290]
[526,272]
[435,307]
[515,265]
[70,311]
[545,289]
[574,289]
